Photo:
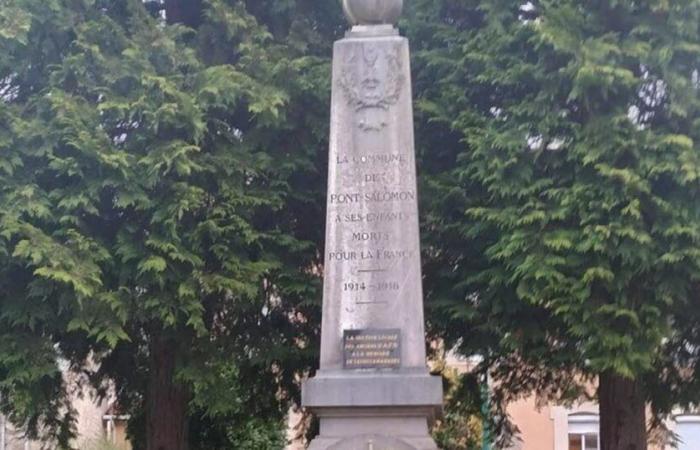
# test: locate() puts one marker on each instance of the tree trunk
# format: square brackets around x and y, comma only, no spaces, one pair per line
[622,413]
[166,400]
[186,12]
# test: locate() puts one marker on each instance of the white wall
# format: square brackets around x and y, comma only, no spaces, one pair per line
[688,430]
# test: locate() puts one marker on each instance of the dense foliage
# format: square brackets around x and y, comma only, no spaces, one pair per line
[152,181]
[560,144]
[162,170]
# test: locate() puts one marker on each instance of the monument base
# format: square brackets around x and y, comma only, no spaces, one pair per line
[374,410]
[373,442]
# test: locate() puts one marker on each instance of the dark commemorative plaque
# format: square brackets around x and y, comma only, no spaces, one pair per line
[372,349]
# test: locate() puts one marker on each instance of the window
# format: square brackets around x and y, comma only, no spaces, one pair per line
[583,432]
[588,441]
[688,431]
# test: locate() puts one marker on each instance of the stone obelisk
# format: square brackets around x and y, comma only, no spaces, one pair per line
[373,390]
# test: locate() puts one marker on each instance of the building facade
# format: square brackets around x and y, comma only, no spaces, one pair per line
[98,426]
[553,427]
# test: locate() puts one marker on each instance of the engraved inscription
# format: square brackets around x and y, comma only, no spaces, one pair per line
[373,217]
[371,197]
[372,349]
[376,196]
[384,158]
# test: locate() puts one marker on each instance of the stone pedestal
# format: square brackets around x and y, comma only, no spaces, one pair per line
[373,390]
[365,407]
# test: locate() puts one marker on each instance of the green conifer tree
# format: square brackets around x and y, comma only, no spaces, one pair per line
[161,182]
[560,149]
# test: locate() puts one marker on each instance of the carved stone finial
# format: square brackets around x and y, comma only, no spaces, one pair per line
[373,12]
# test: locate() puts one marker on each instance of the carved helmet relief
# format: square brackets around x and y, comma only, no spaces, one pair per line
[372,80]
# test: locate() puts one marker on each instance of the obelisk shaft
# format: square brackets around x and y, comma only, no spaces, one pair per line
[373,387]
[372,269]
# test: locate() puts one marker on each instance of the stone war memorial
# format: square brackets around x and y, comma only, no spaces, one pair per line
[373,390]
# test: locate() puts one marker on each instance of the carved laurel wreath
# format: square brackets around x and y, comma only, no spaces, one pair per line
[351,82]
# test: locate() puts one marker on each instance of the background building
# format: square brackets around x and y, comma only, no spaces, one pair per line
[555,427]
[99,425]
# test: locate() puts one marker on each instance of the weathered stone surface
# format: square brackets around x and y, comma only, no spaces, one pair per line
[371,12]
[372,442]
[372,270]
[373,379]
[373,390]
